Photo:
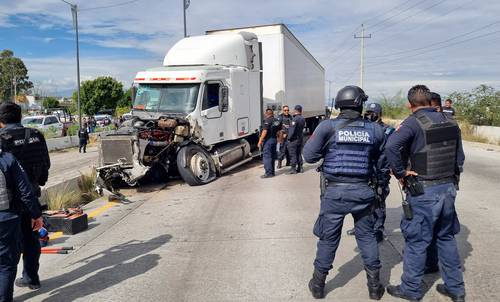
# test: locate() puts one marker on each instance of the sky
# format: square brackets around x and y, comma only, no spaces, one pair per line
[448,45]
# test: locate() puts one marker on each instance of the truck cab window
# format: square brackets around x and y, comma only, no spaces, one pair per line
[211,96]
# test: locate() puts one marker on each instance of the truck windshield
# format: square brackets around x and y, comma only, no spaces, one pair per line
[180,98]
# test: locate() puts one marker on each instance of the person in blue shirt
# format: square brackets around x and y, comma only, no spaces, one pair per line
[16,196]
[296,141]
[426,150]
[350,148]
[267,142]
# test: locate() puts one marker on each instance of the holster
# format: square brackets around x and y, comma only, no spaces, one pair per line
[414,187]
[323,183]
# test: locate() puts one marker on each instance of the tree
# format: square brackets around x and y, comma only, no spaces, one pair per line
[50,102]
[481,106]
[98,94]
[126,100]
[13,76]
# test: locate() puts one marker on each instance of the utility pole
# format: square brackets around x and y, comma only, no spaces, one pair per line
[185,5]
[362,67]
[74,12]
[330,93]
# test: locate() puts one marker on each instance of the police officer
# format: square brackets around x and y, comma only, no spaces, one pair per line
[436,102]
[15,194]
[432,144]
[29,147]
[381,179]
[350,148]
[267,142]
[285,119]
[296,141]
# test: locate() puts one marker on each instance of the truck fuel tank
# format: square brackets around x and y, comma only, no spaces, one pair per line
[228,155]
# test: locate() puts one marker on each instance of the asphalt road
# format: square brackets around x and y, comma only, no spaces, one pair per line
[242,238]
[69,163]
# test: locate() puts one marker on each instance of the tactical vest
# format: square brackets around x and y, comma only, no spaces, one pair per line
[437,159]
[349,153]
[5,196]
[28,148]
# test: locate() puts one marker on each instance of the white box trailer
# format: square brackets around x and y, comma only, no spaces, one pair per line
[291,75]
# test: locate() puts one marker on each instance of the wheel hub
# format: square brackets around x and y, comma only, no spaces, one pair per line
[200,166]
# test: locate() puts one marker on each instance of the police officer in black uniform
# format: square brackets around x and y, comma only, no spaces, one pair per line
[29,147]
[382,177]
[296,141]
[431,142]
[16,195]
[285,119]
[267,142]
[350,148]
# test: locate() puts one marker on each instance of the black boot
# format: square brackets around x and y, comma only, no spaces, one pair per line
[279,164]
[443,291]
[317,284]
[375,289]
[293,170]
[395,291]
[300,169]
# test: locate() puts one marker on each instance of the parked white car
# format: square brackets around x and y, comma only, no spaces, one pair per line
[43,123]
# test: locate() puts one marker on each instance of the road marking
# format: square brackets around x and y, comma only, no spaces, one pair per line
[55,235]
[99,210]
[92,214]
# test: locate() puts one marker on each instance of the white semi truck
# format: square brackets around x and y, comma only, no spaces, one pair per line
[200,114]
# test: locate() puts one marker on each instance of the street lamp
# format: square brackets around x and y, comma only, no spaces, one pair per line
[185,5]
[74,12]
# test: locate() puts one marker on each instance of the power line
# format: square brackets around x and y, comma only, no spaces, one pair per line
[434,49]
[437,43]
[110,6]
[422,25]
[398,14]
[409,17]
[385,13]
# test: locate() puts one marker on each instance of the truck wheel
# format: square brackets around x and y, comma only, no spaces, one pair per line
[195,165]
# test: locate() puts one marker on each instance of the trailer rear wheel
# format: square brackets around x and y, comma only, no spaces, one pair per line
[195,165]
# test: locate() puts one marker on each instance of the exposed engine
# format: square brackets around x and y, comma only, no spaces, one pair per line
[139,146]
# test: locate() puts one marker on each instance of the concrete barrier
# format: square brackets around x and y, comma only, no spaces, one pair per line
[492,134]
[65,142]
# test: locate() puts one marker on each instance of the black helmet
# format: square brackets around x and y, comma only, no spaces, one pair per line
[350,97]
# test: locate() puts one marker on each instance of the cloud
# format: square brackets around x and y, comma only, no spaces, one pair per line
[325,27]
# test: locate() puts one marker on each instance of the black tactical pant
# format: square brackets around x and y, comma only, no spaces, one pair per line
[31,251]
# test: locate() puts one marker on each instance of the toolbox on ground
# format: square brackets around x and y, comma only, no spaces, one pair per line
[70,222]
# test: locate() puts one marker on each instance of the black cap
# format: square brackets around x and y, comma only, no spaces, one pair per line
[298,108]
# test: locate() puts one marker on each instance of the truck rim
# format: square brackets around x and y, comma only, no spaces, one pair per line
[200,166]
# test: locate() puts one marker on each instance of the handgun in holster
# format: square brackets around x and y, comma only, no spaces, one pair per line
[323,182]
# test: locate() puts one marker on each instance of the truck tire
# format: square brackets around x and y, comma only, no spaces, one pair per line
[195,165]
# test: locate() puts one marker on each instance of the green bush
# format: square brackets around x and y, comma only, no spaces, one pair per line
[481,106]
[72,130]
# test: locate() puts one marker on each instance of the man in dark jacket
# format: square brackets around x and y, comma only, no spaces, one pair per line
[16,195]
[29,148]
[296,141]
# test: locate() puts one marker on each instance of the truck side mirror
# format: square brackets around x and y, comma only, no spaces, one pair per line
[223,99]
[133,92]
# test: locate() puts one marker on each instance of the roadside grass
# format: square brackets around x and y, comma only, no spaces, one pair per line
[86,184]
[69,198]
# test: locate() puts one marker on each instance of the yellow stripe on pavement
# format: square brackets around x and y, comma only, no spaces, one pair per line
[99,211]
[92,214]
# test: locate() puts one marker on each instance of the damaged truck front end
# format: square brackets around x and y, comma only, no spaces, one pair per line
[139,148]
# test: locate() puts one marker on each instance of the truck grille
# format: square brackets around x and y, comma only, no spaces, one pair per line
[114,148]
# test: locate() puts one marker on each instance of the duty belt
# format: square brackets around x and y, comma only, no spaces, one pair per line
[330,183]
[428,183]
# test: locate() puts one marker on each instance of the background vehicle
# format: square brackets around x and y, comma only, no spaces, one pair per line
[103,120]
[199,115]
[43,123]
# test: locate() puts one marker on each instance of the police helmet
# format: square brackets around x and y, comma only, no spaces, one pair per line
[373,107]
[350,97]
